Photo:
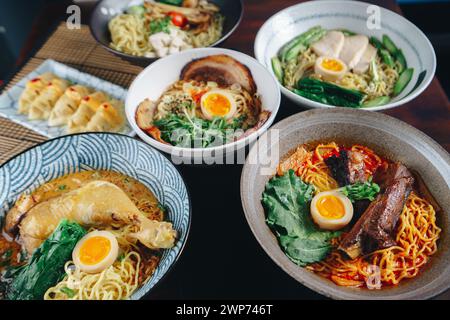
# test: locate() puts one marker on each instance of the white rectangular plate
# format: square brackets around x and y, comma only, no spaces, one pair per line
[9,100]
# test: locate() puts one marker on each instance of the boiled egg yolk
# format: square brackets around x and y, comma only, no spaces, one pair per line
[95,252]
[331,210]
[332,64]
[218,103]
[331,69]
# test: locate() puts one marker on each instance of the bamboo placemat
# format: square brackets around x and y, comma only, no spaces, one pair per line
[77,49]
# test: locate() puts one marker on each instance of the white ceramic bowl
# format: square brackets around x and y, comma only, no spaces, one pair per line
[351,15]
[157,77]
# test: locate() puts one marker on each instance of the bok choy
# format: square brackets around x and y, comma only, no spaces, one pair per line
[46,265]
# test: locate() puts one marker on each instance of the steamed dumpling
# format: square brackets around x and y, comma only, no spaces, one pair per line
[86,110]
[32,90]
[66,106]
[41,107]
[108,118]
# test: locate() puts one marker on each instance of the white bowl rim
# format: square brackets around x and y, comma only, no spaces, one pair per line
[314,104]
[199,151]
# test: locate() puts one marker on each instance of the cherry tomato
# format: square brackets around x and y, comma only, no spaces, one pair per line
[178,19]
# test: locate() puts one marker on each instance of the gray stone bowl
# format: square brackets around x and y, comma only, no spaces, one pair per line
[387,136]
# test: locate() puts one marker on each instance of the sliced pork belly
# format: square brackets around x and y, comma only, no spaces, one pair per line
[376,228]
[222,69]
[347,168]
[367,57]
[330,45]
[353,50]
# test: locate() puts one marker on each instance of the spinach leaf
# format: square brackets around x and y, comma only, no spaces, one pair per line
[286,200]
[46,265]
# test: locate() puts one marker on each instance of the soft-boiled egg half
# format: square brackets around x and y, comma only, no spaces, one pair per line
[331,69]
[95,252]
[331,210]
[218,103]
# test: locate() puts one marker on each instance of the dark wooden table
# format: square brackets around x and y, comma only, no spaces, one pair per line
[222,259]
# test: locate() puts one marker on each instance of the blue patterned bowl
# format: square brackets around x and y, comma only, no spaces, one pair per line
[94,151]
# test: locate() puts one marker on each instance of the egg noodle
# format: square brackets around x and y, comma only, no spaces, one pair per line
[183,93]
[130,32]
[417,234]
[117,282]
[315,170]
[129,35]
[304,66]
[417,237]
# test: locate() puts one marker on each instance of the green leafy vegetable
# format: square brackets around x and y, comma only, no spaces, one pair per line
[69,292]
[171,2]
[46,266]
[5,258]
[192,132]
[329,93]
[22,256]
[286,200]
[7,254]
[361,191]
[160,25]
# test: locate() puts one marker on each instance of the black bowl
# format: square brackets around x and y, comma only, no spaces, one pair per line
[105,10]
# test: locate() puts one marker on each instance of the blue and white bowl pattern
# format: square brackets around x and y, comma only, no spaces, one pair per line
[103,151]
[9,100]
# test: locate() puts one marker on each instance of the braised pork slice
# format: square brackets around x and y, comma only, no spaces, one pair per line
[376,228]
[222,69]
[347,168]
[262,119]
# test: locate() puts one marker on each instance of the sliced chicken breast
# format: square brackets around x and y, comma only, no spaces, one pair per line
[367,57]
[330,45]
[353,50]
